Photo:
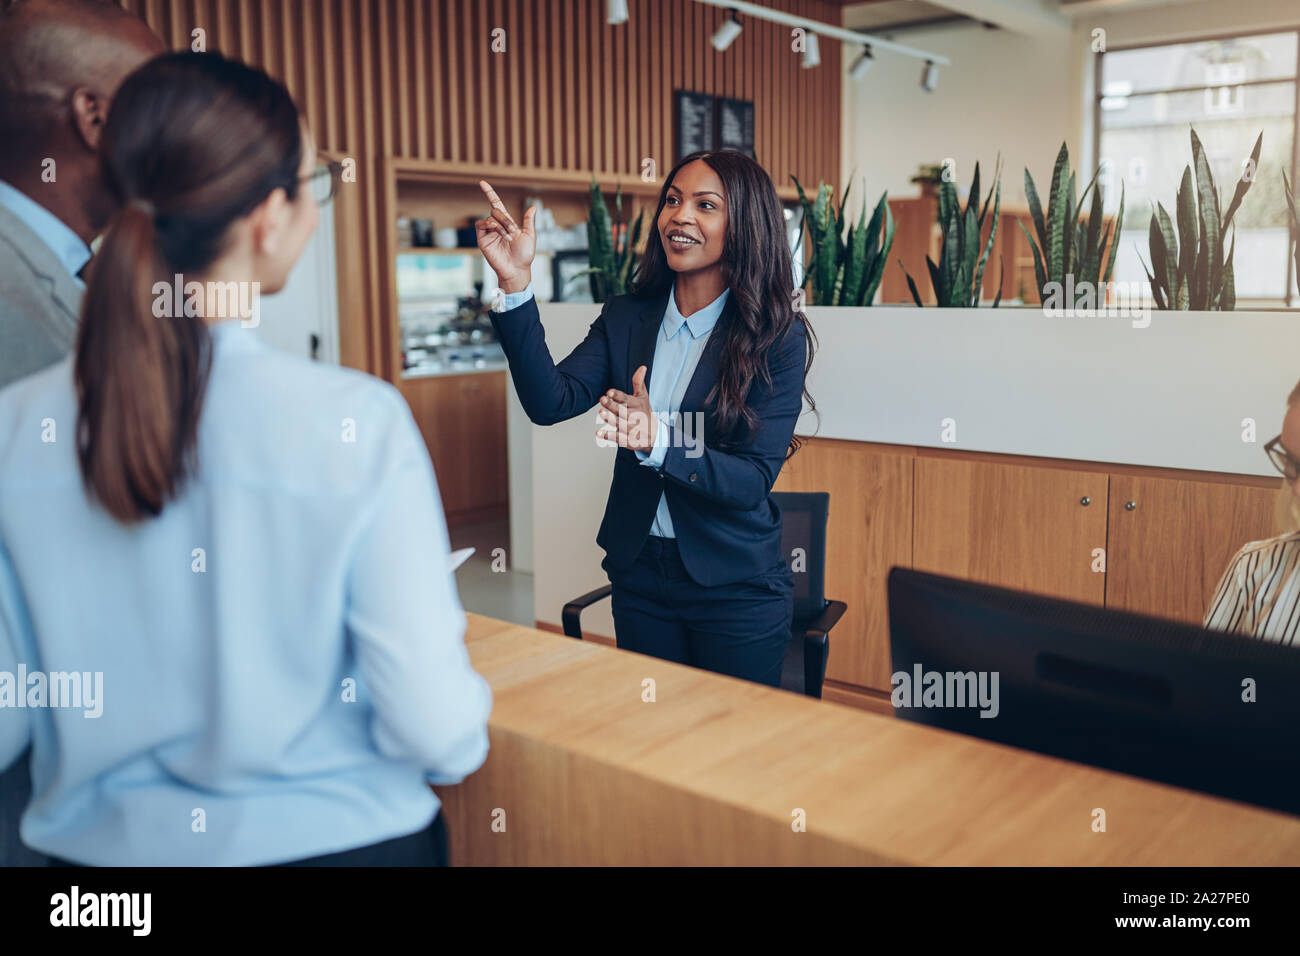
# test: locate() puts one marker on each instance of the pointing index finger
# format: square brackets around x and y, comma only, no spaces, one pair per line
[495,201]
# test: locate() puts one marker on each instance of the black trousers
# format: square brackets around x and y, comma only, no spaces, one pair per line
[739,629]
[427,847]
[15,793]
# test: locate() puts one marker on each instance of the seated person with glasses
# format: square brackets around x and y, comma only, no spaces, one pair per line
[1259,594]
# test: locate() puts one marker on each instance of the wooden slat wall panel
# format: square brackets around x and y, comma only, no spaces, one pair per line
[416,79]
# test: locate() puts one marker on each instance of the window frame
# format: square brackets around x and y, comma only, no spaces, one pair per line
[1294,30]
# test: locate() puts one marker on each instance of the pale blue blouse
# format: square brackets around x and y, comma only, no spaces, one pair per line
[273,668]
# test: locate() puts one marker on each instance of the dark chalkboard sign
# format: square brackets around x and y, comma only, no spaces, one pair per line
[705,122]
[736,126]
[695,122]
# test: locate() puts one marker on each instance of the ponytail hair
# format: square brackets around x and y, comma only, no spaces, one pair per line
[193,142]
[140,379]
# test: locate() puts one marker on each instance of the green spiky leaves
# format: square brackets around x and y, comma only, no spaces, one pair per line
[1192,268]
[1066,243]
[610,261]
[958,277]
[847,259]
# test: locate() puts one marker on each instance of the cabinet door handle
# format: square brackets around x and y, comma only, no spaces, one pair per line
[1085,501]
[1130,505]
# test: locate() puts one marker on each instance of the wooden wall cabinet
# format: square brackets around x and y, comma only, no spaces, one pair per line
[1030,524]
[1014,526]
[1170,540]
[463,421]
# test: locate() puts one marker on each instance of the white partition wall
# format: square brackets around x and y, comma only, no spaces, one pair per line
[309,302]
[1173,394]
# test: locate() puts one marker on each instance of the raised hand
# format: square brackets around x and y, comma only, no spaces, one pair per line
[634,424]
[507,248]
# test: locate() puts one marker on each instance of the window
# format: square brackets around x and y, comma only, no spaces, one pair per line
[1229,90]
[1223,82]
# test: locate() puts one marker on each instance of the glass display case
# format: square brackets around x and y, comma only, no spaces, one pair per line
[443,299]
[443,316]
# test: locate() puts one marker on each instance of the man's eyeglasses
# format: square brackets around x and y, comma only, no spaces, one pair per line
[323,181]
[1282,459]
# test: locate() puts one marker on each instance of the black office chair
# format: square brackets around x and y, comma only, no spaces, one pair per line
[803,527]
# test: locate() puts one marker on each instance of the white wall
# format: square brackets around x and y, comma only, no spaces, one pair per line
[309,301]
[559,479]
[1003,93]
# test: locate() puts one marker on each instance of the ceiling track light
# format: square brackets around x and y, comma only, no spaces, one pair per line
[812,56]
[826,31]
[863,63]
[726,34]
[930,76]
[616,11]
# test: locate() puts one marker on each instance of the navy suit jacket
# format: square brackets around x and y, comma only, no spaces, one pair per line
[728,527]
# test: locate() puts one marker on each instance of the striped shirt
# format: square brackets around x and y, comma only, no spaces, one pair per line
[1259,595]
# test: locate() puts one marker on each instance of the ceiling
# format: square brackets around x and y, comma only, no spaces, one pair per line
[1029,16]
[873,15]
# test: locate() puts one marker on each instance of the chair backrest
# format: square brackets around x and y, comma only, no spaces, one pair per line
[803,534]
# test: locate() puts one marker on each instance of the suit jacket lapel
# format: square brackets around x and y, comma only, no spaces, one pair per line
[68,294]
[641,349]
[645,336]
[43,263]
[706,372]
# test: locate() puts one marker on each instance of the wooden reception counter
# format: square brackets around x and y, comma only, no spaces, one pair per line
[586,769]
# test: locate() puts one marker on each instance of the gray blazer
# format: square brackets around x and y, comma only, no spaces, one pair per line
[39,302]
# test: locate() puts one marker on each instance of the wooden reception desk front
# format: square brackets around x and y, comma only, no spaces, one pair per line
[601,756]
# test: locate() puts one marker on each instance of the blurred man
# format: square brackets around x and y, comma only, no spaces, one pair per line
[61,61]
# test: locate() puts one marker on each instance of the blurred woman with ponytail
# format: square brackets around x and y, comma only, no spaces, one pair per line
[234,562]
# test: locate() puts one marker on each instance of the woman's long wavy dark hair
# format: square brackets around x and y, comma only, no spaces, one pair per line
[193,142]
[759,271]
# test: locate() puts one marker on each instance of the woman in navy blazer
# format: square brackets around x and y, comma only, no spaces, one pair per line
[700,377]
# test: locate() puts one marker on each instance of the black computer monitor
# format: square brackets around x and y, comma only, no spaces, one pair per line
[1144,696]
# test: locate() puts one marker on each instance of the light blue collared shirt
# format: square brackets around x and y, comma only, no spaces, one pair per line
[281,650]
[677,353]
[66,245]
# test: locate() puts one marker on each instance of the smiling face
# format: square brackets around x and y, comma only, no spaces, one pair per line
[693,221]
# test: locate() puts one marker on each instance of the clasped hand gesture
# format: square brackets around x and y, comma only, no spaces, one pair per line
[630,420]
